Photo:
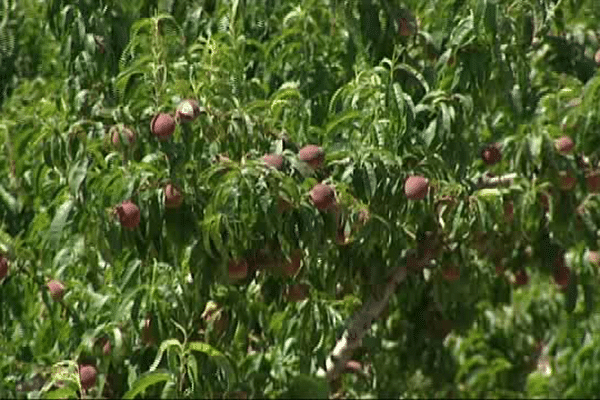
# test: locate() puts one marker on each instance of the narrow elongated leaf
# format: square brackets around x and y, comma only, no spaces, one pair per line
[59,221]
[146,380]
[77,174]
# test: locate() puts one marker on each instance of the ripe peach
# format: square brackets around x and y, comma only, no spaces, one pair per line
[107,348]
[238,269]
[297,292]
[451,61]
[593,257]
[129,215]
[416,187]
[322,196]
[428,246]
[597,57]
[162,126]
[262,260]
[592,180]
[491,154]
[340,236]
[521,278]
[439,329]
[283,205]
[148,331]
[187,110]
[451,273]
[545,201]
[564,145]
[274,160]
[566,180]
[121,131]
[404,28]
[291,267]
[561,274]
[223,158]
[87,376]
[313,155]
[354,367]
[3,267]
[173,196]
[499,266]
[509,212]
[57,290]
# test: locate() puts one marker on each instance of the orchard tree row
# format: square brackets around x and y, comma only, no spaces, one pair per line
[306,199]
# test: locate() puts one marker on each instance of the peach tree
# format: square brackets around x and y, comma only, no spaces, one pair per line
[319,198]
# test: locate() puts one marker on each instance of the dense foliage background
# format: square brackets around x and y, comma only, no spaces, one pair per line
[388,89]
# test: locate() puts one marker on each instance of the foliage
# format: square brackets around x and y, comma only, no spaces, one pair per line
[272,77]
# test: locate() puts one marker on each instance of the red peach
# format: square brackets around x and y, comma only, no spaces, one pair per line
[173,196]
[87,376]
[238,269]
[313,155]
[322,196]
[564,145]
[416,187]
[129,215]
[57,290]
[162,126]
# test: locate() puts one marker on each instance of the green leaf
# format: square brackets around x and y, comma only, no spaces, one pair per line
[62,393]
[146,380]
[218,357]
[571,295]
[9,200]
[308,387]
[59,221]
[77,174]
[163,347]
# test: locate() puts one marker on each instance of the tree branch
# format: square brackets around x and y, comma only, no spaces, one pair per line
[490,182]
[360,324]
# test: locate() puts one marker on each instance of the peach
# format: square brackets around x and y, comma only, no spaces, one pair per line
[561,274]
[594,257]
[129,215]
[451,273]
[187,110]
[238,269]
[57,290]
[162,126]
[173,196]
[564,145]
[521,278]
[87,376]
[323,196]
[592,180]
[416,187]
[491,154]
[566,180]
[121,131]
[3,267]
[274,160]
[297,292]
[147,331]
[313,155]
[291,267]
